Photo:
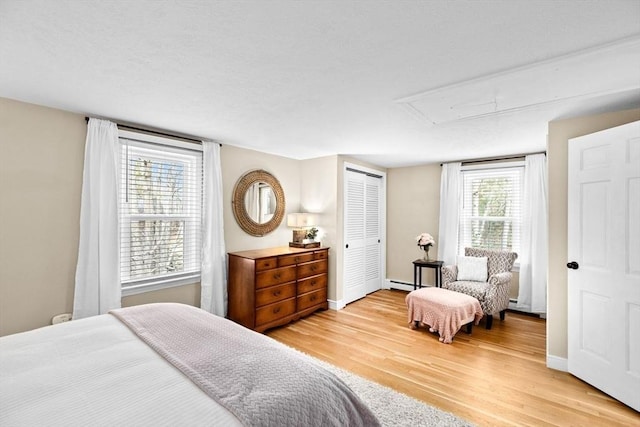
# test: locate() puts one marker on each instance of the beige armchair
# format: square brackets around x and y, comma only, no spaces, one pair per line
[493,294]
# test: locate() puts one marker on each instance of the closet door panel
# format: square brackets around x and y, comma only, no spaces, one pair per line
[373,254]
[355,241]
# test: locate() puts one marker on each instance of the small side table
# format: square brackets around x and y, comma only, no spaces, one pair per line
[419,264]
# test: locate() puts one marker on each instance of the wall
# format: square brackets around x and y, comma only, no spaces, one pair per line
[318,183]
[412,209]
[559,133]
[41,159]
[311,185]
[321,181]
[235,163]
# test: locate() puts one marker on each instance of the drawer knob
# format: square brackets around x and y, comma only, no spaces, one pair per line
[276,276]
[313,298]
[276,310]
[276,293]
[312,283]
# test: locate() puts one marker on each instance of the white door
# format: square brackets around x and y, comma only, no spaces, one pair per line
[604,261]
[354,237]
[372,235]
[362,235]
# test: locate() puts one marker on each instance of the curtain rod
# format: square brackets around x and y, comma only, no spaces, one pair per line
[495,159]
[156,132]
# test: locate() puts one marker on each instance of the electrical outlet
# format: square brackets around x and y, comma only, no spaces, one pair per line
[64,317]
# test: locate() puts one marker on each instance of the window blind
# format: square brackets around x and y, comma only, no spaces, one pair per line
[491,214]
[160,212]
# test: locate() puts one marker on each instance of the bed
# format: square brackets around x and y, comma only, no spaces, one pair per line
[166,364]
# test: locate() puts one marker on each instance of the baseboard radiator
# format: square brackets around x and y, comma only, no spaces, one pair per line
[400,285]
[513,306]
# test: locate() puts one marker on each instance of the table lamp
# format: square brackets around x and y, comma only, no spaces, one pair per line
[301,222]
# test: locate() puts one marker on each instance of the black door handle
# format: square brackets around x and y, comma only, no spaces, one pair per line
[573,265]
[347,246]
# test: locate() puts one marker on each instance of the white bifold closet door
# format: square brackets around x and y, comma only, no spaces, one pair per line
[363,235]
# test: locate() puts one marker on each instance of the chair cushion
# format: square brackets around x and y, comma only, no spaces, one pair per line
[497,261]
[472,268]
[478,290]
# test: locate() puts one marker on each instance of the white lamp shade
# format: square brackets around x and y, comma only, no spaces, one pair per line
[300,220]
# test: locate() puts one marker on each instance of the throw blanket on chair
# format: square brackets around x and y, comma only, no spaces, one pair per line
[261,381]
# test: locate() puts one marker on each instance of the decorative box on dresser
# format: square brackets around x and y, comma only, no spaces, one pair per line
[271,287]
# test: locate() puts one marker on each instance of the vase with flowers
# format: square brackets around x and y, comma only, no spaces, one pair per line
[425,241]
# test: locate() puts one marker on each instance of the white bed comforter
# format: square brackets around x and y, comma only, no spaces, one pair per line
[96,372]
[166,365]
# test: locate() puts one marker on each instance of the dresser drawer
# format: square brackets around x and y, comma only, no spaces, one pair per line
[312,268]
[294,259]
[275,311]
[312,298]
[266,263]
[321,254]
[275,276]
[275,293]
[313,283]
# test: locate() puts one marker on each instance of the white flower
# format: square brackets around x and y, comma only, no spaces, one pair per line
[425,239]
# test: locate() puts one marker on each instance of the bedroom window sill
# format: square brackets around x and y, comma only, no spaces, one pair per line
[139,287]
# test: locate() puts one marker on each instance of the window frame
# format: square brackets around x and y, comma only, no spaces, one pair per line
[516,219]
[172,150]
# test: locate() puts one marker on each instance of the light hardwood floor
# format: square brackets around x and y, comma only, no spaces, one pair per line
[495,377]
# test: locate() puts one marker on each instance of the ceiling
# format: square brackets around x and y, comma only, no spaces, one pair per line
[392,83]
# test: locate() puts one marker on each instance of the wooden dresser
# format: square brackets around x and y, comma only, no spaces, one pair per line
[271,287]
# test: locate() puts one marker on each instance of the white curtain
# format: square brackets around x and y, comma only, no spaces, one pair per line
[97,287]
[252,202]
[450,192]
[213,280]
[532,294]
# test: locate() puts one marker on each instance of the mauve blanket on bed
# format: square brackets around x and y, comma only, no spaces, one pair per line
[262,382]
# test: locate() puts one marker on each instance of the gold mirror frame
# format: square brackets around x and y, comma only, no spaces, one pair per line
[240,211]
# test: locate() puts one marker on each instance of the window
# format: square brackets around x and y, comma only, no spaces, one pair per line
[491,207]
[160,214]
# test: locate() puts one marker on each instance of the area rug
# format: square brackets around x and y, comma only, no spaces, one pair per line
[391,407]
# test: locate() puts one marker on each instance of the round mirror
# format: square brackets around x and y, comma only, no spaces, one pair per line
[258,202]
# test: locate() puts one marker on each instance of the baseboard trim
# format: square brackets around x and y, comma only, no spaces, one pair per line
[336,305]
[557,363]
